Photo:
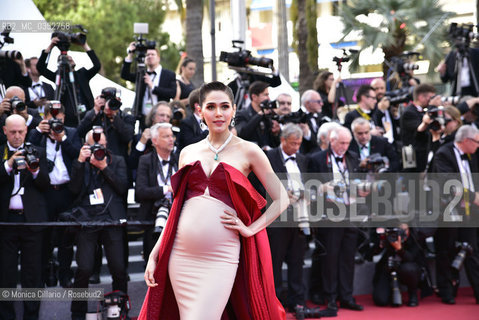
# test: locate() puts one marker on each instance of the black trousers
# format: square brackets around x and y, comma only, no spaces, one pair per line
[112,240]
[337,265]
[445,244]
[149,241]
[409,274]
[288,245]
[29,242]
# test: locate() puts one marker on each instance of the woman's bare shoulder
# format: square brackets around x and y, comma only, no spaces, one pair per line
[189,153]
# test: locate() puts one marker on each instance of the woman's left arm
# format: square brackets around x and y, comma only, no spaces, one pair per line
[262,169]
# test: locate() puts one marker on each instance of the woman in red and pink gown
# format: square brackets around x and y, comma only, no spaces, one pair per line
[213,259]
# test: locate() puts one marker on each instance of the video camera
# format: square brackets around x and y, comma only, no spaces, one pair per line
[400,96]
[437,116]
[268,104]
[242,58]
[344,58]
[294,117]
[67,38]
[13,54]
[462,35]
[402,63]
[30,158]
[164,206]
[142,44]
[111,96]
[97,150]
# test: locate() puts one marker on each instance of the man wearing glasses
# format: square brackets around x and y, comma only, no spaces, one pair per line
[366,98]
[311,106]
[415,123]
[284,104]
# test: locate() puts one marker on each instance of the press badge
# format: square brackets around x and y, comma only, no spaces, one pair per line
[96,197]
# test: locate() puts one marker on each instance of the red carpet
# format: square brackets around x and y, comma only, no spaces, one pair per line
[430,308]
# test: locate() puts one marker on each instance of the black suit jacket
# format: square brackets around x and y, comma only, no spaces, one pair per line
[147,190]
[70,147]
[166,88]
[11,74]
[34,203]
[254,127]
[350,116]
[47,89]
[190,132]
[275,157]
[449,75]
[383,147]
[378,121]
[82,78]
[113,181]
[410,121]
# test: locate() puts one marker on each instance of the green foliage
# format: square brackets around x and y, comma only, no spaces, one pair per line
[403,25]
[110,27]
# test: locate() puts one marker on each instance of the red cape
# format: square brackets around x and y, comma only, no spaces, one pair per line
[253,295]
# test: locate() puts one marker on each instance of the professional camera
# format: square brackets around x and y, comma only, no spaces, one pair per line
[400,96]
[55,124]
[452,99]
[462,35]
[97,150]
[164,206]
[67,38]
[268,104]
[117,304]
[17,104]
[339,188]
[13,54]
[344,58]
[437,116]
[242,58]
[464,250]
[110,94]
[377,163]
[403,63]
[392,234]
[30,158]
[142,44]
[294,117]
[301,212]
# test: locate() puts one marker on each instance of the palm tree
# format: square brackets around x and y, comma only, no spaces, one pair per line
[194,41]
[305,41]
[400,25]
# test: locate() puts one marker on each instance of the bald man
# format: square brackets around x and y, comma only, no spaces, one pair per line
[386,115]
[21,200]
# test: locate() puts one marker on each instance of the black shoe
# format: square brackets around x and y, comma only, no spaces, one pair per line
[351,305]
[317,299]
[448,300]
[95,278]
[332,306]
[413,300]
[303,312]
[326,313]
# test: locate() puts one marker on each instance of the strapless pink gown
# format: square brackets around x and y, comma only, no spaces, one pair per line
[205,255]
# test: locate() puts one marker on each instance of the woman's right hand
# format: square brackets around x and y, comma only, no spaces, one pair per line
[149,272]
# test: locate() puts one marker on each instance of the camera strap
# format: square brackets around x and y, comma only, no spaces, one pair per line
[363,114]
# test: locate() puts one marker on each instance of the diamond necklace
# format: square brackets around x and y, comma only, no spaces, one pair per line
[216,151]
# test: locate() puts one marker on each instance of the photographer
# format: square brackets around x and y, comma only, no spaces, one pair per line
[118,126]
[366,98]
[415,123]
[326,86]
[99,182]
[386,116]
[311,107]
[254,123]
[153,185]
[14,103]
[457,160]
[160,83]
[39,93]
[13,72]
[447,133]
[447,71]
[401,262]
[23,179]
[367,145]
[82,81]
[62,145]
[190,129]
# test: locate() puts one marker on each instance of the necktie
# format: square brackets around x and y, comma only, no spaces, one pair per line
[339,159]
[36,85]
[165,162]
[364,146]
[151,72]
[464,157]
[290,158]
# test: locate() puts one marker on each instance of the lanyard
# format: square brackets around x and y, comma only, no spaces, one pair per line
[467,206]
[168,175]
[363,114]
